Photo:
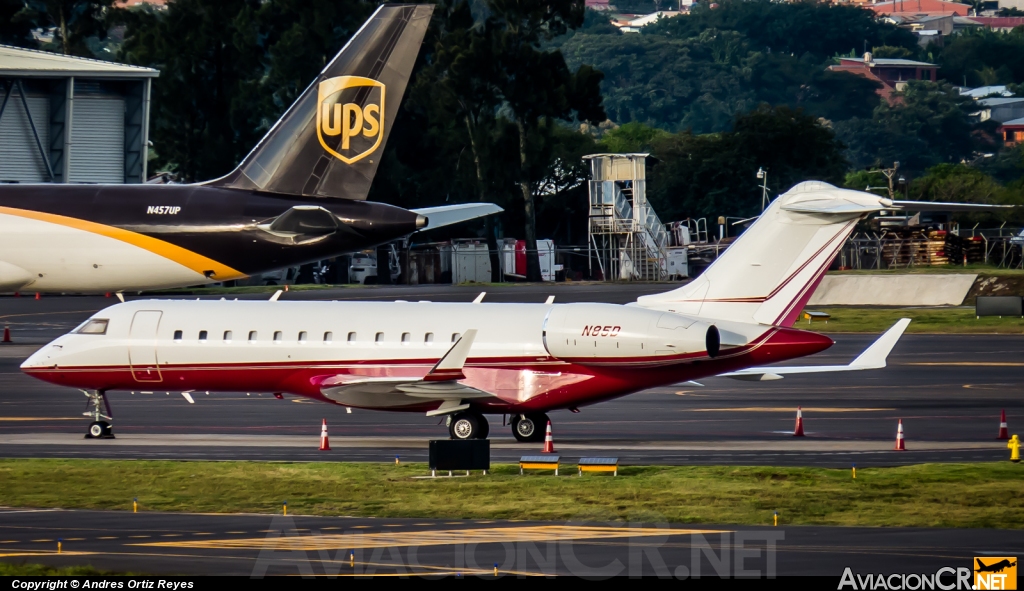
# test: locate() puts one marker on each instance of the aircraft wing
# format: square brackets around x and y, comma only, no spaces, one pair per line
[872,358]
[441,384]
[446,215]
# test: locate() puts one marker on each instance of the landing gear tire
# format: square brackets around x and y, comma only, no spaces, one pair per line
[468,425]
[529,428]
[99,430]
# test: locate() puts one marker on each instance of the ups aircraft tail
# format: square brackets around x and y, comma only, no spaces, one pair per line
[329,142]
[767,275]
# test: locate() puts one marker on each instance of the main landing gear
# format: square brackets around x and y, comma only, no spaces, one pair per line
[529,428]
[467,425]
[100,427]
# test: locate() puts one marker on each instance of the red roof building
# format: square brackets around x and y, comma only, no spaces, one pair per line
[1012,132]
[892,73]
[920,7]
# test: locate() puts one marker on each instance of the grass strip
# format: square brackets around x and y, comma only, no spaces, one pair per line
[924,320]
[925,495]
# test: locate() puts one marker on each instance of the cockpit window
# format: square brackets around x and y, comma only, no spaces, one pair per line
[94,326]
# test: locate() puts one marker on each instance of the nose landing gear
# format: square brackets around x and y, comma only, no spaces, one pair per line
[100,427]
[529,428]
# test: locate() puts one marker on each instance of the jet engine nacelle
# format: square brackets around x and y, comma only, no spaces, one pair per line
[604,333]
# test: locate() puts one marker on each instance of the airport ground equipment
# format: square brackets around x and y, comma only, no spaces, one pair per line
[456,454]
[539,463]
[998,306]
[325,444]
[598,465]
[809,316]
[798,429]
[627,239]
[549,441]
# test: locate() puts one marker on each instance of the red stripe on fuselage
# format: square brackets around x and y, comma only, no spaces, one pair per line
[503,377]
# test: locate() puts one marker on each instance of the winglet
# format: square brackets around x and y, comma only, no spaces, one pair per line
[480,297]
[449,367]
[276,295]
[874,356]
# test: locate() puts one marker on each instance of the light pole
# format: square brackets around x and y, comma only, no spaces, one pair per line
[763,175]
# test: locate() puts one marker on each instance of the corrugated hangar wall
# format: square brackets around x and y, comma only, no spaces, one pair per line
[97,136]
[67,119]
[20,158]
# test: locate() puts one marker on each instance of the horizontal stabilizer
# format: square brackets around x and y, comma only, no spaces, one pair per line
[873,357]
[446,215]
[939,206]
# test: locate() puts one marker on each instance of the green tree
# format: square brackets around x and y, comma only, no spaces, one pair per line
[929,124]
[819,29]
[537,87]
[714,174]
[16,23]
[983,57]
[632,137]
[73,21]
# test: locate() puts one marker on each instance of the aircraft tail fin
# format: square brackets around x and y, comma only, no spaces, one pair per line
[768,274]
[329,142]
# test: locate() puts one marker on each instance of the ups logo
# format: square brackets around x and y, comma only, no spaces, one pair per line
[350,117]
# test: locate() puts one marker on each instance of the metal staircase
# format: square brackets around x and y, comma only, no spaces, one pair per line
[627,239]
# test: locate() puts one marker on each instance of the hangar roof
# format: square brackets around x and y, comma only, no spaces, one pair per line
[15,61]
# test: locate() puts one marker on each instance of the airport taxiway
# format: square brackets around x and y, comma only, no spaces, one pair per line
[254,545]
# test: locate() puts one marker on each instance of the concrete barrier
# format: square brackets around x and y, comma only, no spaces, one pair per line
[947,289]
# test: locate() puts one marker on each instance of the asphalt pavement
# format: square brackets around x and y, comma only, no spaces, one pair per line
[257,545]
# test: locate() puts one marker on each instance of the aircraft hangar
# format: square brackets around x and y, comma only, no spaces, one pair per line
[72,120]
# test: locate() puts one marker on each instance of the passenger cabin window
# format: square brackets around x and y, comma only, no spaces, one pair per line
[94,326]
[455,336]
[252,335]
[406,337]
[202,335]
[428,338]
[177,335]
[379,338]
[278,335]
[302,336]
[227,335]
[351,337]
[328,337]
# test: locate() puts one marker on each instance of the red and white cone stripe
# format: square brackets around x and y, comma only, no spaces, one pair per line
[1004,432]
[798,430]
[325,445]
[549,441]
[900,445]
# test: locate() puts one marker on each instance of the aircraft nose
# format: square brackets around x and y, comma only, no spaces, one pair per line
[42,358]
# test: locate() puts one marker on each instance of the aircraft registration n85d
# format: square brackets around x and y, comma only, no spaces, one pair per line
[298,197]
[467,360]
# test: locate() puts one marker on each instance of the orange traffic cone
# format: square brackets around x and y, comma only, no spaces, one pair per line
[325,445]
[1004,433]
[549,442]
[798,430]
[900,446]
[38,296]
[7,339]
[106,295]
